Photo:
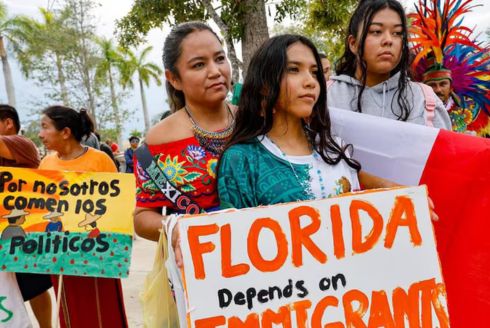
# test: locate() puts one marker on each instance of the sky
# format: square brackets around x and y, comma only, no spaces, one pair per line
[106,15]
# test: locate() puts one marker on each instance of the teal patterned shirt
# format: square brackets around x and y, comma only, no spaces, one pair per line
[257,173]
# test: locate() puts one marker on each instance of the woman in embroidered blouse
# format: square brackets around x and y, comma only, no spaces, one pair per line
[188,143]
[274,156]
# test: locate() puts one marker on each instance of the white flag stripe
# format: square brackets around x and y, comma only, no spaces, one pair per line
[398,153]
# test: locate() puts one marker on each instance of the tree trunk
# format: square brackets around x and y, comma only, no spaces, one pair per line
[85,65]
[61,79]
[115,109]
[145,109]
[236,64]
[89,89]
[7,74]
[256,32]
[87,82]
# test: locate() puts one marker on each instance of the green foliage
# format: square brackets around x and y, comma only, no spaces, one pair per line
[291,8]
[48,37]
[136,133]
[329,20]
[59,52]
[31,131]
[109,70]
[329,14]
[147,14]
[108,133]
[134,64]
[323,22]
[110,59]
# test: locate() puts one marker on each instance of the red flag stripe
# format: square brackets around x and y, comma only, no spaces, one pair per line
[458,177]
[455,169]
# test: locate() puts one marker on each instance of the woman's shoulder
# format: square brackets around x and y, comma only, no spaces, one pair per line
[47,160]
[246,148]
[341,89]
[242,153]
[173,128]
[100,160]
[342,80]
[95,153]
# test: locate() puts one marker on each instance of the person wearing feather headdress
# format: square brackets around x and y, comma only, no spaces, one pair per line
[452,63]
[440,80]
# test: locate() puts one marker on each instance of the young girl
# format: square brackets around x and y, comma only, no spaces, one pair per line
[282,149]
[372,74]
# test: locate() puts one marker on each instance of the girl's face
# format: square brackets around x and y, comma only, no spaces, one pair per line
[383,45]
[299,86]
[49,135]
[203,68]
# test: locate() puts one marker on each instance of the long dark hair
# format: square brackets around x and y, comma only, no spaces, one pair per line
[260,93]
[347,64]
[171,52]
[79,123]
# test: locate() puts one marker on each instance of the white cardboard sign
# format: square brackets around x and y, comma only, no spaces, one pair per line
[364,260]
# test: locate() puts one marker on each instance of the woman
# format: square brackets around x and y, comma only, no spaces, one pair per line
[188,143]
[372,74]
[86,301]
[274,156]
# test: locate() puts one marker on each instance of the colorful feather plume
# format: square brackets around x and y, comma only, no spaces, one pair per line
[436,32]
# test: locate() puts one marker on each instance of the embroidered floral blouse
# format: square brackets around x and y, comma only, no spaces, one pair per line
[189,167]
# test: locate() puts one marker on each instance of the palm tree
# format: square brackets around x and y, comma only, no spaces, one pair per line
[49,37]
[12,30]
[111,58]
[146,71]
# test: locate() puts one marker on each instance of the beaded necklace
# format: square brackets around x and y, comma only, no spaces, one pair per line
[314,166]
[212,141]
[319,174]
[283,154]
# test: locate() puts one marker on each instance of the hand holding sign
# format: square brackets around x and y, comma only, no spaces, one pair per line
[337,261]
[176,246]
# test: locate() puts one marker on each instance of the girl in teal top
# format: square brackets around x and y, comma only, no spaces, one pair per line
[282,149]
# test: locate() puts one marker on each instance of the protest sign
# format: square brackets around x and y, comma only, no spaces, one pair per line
[67,223]
[12,310]
[364,260]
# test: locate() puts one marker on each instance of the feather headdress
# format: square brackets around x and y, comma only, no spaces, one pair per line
[444,48]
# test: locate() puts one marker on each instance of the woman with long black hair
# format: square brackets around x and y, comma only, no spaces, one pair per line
[282,149]
[188,143]
[372,76]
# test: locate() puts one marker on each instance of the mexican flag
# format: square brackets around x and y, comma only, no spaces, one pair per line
[456,169]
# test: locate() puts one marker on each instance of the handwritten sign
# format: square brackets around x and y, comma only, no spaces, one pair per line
[363,260]
[12,310]
[66,222]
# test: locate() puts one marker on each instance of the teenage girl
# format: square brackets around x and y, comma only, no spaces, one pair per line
[282,149]
[372,74]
